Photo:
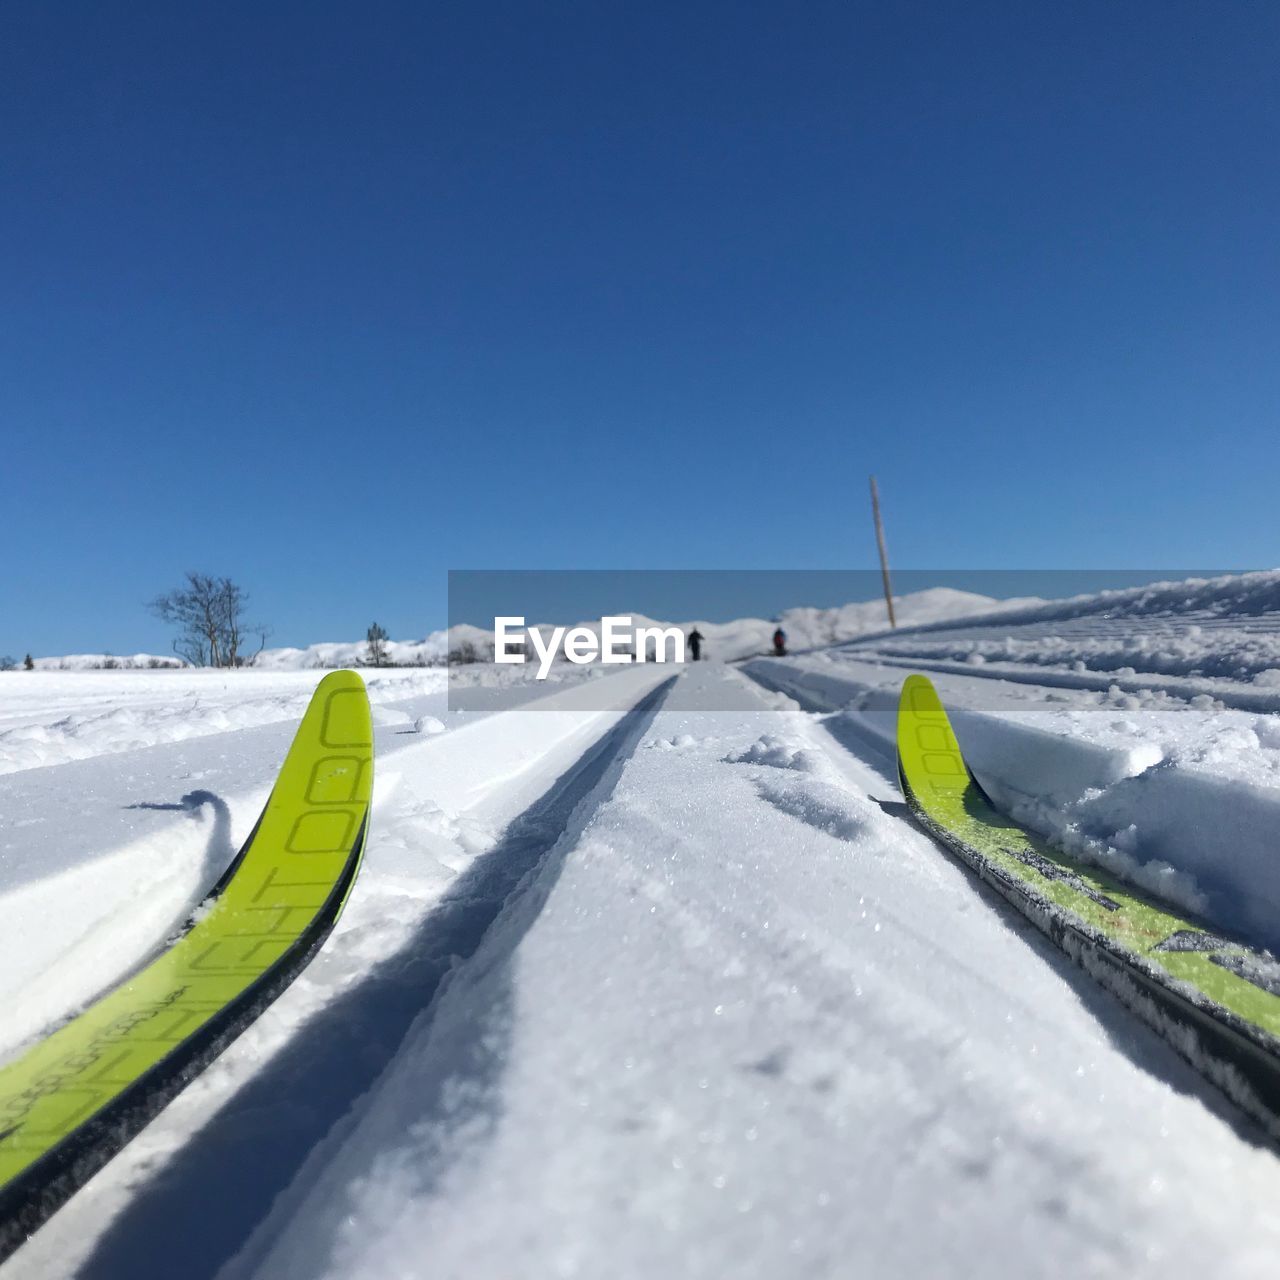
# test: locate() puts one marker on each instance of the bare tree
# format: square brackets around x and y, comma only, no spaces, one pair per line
[210,615]
[462,653]
[234,601]
[7,663]
[377,638]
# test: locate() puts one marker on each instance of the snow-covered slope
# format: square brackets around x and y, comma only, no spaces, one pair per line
[808,628]
[738,1026]
[48,717]
[1182,798]
[664,987]
[660,991]
[1224,628]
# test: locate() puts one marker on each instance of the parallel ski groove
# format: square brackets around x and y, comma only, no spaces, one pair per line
[78,1095]
[1211,998]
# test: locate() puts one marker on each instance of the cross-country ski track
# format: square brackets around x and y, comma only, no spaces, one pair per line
[664,989]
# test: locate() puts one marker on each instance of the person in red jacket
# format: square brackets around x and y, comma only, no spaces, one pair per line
[779,643]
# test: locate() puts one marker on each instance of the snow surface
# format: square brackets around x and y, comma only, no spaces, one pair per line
[686,1054]
[1181,799]
[656,989]
[48,716]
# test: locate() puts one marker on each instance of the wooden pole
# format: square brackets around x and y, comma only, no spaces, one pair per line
[884,555]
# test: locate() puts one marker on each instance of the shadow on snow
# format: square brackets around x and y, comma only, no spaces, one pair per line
[210,1198]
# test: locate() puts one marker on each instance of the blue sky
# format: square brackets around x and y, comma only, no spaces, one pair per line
[333,300]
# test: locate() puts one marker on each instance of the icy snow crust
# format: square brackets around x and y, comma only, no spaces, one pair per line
[656,989]
[1204,631]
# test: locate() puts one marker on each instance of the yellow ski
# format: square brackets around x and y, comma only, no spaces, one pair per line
[1217,1001]
[72,1100]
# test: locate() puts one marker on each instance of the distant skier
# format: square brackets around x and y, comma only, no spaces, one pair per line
[695,644]
[779,643]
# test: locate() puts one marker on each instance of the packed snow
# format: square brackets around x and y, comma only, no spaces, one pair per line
[50,716]
[666,982]
[1217,637]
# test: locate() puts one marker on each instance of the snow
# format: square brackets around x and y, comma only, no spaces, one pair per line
[1182,800]
[49,717]
[778,1069]
[1207,632]
[808,628]
[662,982]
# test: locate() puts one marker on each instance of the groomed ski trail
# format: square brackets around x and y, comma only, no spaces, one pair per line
[752,1022]
[1228,693]
[76,1096]
[1181,800]
[454,814]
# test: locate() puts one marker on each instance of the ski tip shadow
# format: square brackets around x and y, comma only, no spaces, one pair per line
[895,809]
[219,849]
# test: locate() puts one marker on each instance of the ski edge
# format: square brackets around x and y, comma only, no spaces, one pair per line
[37,1193]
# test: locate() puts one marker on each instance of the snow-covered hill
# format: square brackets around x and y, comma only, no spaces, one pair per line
[663,988]
[809,628]
[1205,626]
[805,627]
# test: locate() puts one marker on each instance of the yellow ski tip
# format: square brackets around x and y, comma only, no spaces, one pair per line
[344,681]
[919,697]
[78,1094]
[344,678]
[930,763]
[339,714]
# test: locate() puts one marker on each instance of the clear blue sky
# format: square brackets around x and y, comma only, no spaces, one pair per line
[333,298]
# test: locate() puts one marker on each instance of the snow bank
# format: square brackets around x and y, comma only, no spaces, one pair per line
[111,912]
[1224,628]
[1183,801]
[744,1023]
[49,717]
[441,801]
[811,628]
[1236,595]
